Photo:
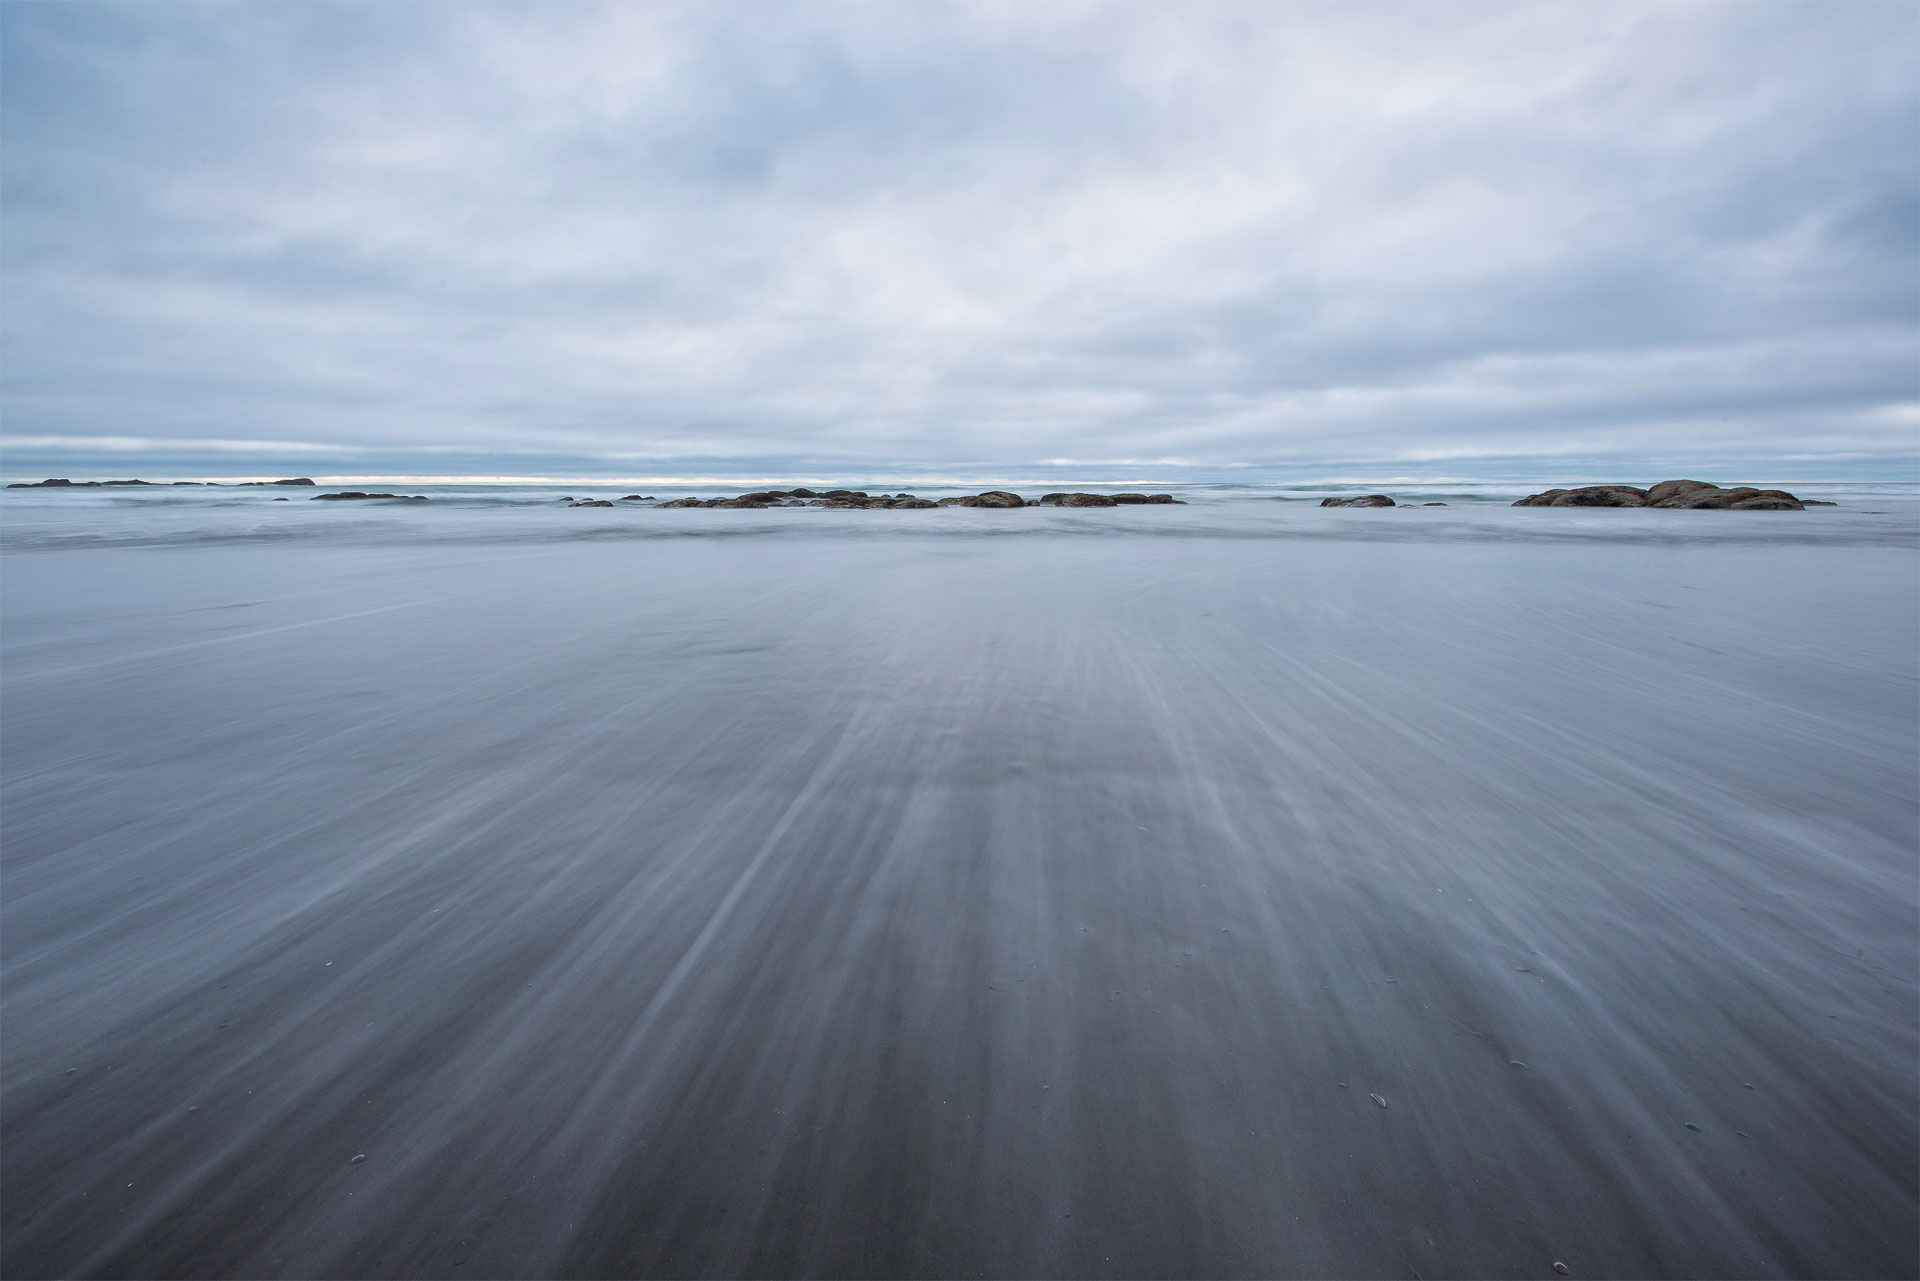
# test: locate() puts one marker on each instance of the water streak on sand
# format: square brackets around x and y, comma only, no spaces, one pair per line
[490,888]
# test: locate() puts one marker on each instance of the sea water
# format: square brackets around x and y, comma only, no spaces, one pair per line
[493,887]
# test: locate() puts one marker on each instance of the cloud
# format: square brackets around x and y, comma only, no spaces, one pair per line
[952,235]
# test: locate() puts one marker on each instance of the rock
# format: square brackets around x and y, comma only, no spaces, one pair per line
[1694,494]
[687,502]
[354,494]
[1364,500]
[1433,504]
[1666,489]
[1166,498]
[802,493]
[283,500]
[1001,498]
[1089,500]
[914,503]
[1131,500]
[738,502]
[591,502]
[760,496]
[637,498]
[1601,496]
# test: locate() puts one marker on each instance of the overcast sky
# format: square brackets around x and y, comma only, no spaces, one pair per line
[1419,239]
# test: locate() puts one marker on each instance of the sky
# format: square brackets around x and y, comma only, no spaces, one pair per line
[570,239]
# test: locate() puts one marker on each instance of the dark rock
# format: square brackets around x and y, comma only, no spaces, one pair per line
[914,503]
[52,484]
[637,498]
[1130,500]
[1433,504]
[592,502]
[688,502]
[1601,496]
[1364,500]
[1660,493]
[1088,500]
[1767,505]
[736,502]
[802,493]
[283,500]
[355,494]
[1166,498]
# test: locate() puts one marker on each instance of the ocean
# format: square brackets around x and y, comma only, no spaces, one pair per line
[491,887]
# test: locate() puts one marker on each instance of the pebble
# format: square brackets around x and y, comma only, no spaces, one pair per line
[358,1159]
[1693,1127]
[1377,1099]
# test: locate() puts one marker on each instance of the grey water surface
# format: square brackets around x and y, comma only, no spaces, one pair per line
[491,888]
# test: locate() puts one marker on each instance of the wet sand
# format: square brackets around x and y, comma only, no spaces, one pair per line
[1024,906]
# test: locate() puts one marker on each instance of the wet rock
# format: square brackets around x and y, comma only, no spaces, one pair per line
[1131,500]
[1660,493]
[1693,494]
[592,502]
[354,495]
[914,503]
[688,502]
[991,498]
[1364,500]
[739,502]
[1433,504]
[637,498]
[1588,496]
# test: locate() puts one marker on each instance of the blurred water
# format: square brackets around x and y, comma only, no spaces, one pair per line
[927,893]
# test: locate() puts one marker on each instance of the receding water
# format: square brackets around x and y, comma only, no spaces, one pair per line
[1241,888]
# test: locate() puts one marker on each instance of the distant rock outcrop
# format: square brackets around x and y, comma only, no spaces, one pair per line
[1694,494]
[1364,500]
[355,495]
[852,499]
[118,484]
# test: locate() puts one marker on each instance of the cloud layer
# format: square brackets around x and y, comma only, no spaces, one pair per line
[646,237]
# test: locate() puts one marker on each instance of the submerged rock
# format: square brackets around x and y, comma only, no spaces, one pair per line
[355,495]
[1364,500]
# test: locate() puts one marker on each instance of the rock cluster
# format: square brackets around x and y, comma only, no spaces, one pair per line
[1364,500]
[1696,494]
[356,494]
[852,498]
[111,484]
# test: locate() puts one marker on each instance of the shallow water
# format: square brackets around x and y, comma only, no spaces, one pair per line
[928,893]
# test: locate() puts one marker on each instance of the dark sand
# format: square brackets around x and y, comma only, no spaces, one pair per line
[1020,906]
